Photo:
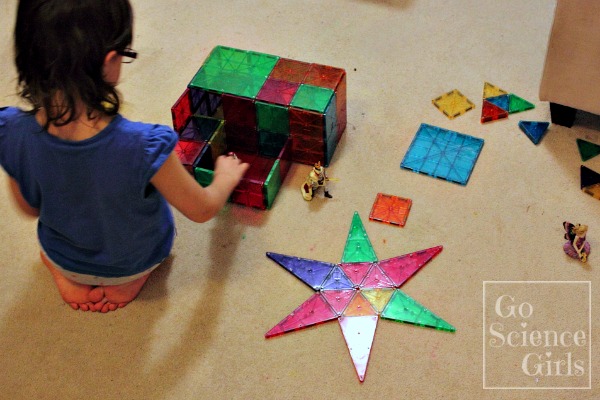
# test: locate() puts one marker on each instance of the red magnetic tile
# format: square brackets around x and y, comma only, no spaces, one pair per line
[390,209]
[491,112]
[306,123]
[181,112]
[239,111]
[340,94]
[324,76]
[290,70]
[188,152]
[278,91]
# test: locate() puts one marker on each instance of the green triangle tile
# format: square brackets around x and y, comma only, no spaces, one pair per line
[403,308]
[517,104]
[358,246]
[587,149]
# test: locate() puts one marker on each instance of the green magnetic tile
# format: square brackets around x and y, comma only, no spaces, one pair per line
[270,144]
[312,98]
[203,176]
[241,62]
[587,149]
[272,184]
[358,246]
[517,104]
[228,82]
[403,308]
[272,117]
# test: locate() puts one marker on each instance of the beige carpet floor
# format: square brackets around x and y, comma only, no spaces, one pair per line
[197,329]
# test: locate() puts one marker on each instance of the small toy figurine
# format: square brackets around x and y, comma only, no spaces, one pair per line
[577,246]
[315,179]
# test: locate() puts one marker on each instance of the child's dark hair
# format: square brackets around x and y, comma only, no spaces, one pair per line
[60,47]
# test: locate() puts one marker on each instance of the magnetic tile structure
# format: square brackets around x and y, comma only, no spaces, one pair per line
[534,130]
[590,182]
[390,209]
[498,103]
[357,293]
[442,153]
[587,150]
[453,104]
[269,110]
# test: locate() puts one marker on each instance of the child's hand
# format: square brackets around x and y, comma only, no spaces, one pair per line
[230,168]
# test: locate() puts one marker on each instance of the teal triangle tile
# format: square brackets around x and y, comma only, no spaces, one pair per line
[337,280]
[587,150]
[534,130]
[403,308]
[501,101]
[358,246]
[311,272]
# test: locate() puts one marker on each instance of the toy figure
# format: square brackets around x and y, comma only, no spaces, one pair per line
[315,179]
[577,246]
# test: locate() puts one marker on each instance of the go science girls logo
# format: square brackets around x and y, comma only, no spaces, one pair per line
[536,335]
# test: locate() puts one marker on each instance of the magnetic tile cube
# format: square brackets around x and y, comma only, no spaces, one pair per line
[263,107]
[443,154]
[390,209]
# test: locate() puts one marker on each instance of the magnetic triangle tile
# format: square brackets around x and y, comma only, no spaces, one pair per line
[313,311]
[359,306]
[376,278]
[587,149]
[390,209]
[401,268]
[518,104]
[593,190]
[311,272]
[443,154]
[453,104]
[403,308]
[358,246]
[359,333]
[588,177]
[500,101]
[378,298]
[535,131]
[356,271]
[490,90]
[491,112]
[337,280]
[338,299]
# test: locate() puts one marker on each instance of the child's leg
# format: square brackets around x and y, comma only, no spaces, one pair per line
[118,296]
[78,296]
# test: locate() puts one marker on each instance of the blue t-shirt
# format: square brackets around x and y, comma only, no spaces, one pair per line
[99,214]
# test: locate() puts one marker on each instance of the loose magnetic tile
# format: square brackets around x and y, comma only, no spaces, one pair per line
[312,98]
[358,246]
[359,333]
[443,154]
[338,299]
[278,92]
[290,70]
[359,307]
[401,268]
[518,104]
[534,130]
[390,209]
[403,308]
[501,101]
[356,271]
[490,90]
[313,311]
[311,272]
[453,104]
[590,182]
[587,150]
[379,298]
[491,112]
[337,280]
[593,190]
[203,176]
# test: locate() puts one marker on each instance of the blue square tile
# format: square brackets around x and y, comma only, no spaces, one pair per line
[443,154]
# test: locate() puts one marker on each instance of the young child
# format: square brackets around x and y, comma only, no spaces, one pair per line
[99,184]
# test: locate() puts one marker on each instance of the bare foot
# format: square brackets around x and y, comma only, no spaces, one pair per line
[74,294]
[118,296]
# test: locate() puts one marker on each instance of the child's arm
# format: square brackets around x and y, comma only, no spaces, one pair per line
[186,195]
[20,200]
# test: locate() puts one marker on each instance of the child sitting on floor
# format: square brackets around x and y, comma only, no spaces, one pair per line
[99,184]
